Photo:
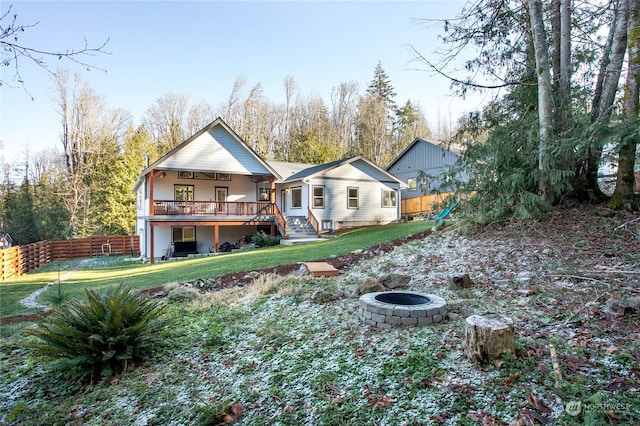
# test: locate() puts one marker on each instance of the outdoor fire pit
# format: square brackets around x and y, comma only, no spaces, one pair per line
[397,308]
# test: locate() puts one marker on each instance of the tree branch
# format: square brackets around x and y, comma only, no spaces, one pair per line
[466,83]
[12,51]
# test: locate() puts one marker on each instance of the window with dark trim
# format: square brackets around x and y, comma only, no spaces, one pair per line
[296,197]
[183,233]
[318,197]
[264,194]
[352,198]
[389,198]
[183,192]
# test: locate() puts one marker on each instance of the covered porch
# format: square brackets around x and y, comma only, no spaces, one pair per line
[206,235]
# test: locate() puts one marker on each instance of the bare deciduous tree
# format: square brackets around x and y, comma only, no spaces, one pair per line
[166,121]
[13,52]
[90,134]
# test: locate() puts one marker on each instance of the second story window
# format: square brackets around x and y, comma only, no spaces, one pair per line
[183,192]
[413,184]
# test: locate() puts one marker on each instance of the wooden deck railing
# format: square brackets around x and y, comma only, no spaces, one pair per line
[212,208]
[280,221]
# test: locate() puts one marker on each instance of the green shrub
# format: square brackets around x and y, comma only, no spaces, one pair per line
[261,239]
[99,336]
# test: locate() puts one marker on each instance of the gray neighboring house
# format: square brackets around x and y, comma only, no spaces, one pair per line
[422,155]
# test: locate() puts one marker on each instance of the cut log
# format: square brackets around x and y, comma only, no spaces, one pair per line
[488,336]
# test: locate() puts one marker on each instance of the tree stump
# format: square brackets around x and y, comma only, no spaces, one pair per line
[488,336]
[460,281]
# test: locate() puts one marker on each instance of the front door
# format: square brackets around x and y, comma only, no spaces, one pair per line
[221,198]
[283,202]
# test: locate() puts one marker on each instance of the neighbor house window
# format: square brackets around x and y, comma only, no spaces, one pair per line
[184,192]
[352,198]
[296,198]
[389,198]
[413,184]
[318,197]
[183,233]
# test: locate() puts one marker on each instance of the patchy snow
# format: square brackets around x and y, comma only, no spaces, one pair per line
[289,360]
[31,300]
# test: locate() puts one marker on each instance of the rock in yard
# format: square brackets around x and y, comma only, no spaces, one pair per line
[392,281]
[370,285]
[183,293]
[321,297]
[352,291]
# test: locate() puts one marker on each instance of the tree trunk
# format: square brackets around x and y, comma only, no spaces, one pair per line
[625,180]
[487,337]
[545,99]
[606,89]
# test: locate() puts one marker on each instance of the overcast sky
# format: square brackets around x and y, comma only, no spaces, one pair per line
[198,49]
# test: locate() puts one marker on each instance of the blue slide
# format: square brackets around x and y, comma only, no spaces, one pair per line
[446,211]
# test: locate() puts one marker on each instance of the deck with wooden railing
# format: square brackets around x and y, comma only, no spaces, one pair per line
[212,208]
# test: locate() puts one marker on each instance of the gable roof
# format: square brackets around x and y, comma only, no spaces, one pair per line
[216,147]
[313,170]
[285,169]
[455,149]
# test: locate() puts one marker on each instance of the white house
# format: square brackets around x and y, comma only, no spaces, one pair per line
[213,188]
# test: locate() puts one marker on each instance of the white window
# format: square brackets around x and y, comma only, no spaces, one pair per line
[413,184]
[352,198]
[318,197]
[389,198]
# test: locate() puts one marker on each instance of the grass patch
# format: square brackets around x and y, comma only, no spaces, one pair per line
[99,274]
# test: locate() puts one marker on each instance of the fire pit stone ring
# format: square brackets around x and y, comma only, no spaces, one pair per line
[388,309]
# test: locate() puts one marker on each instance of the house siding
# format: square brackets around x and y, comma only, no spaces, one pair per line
[370,183]
[215,150]
[241,188]
[369,211]
[423,156]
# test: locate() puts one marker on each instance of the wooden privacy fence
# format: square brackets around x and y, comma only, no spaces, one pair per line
[19,260]
[424,204]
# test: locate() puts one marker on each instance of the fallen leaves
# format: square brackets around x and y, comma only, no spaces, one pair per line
[233,413]
[382,401]
[540,414]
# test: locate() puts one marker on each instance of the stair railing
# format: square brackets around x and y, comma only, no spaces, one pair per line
[281,222]
[314,222]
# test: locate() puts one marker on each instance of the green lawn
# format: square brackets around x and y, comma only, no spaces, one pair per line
[104,272]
